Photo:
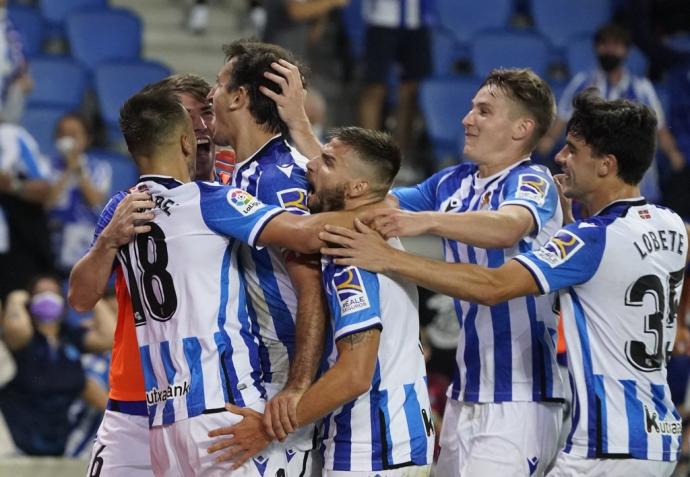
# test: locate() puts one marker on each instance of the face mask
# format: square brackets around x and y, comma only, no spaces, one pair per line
[65,144]
[47,306]
[609,62]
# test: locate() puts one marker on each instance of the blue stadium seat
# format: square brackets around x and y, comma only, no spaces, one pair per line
[56,11]
[97,36]
[495,49]
[41,122]
[125,173]
[679,42]
[580,56]
[31,27]
[463,18]
[354,26]
[444,102]
[445,52]
[560,20]
[58,81]
[117,81]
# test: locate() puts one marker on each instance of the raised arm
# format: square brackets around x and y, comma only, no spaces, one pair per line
[16,323]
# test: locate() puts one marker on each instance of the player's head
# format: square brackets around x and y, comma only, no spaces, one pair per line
[606,141]
[72,134]
[192,91]
[158,132]
[511,111]
[236,96]
[611,44]
[356,166]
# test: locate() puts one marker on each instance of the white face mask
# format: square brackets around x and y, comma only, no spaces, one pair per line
[65,144]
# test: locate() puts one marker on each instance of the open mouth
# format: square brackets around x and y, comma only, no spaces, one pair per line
[203,145]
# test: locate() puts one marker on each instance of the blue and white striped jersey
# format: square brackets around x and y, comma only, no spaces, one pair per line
[275,174]
[389,426]
[506,352]
[618,275]
[198,349]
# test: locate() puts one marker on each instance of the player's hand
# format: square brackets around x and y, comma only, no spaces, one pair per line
[362,248]
[396,223]
[290,101]
[280,416]
[129,219]
[246,438]
[566,202]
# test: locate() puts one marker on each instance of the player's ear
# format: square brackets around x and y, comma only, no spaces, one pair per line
[357,188]
[186,144]
[523,128]
[239,97]
[608,166]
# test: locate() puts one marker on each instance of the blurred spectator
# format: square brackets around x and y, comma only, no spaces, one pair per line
[288,22]
[50,376]
[78,193]
[397,34]
[15,80]
[24,246]
[316,109]
[613,80]
[198,17]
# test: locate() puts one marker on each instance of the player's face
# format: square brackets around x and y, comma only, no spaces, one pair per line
[488,125]
[203,120]
[191,148]
[328,175]
[579,167]
[221,100]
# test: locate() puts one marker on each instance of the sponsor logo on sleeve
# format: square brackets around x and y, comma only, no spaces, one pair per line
[293,199]
[532,187]
[350,289]
[560,248]
[243,201]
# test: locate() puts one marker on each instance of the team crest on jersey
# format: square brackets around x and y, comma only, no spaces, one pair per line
[243,201]
[560,248]
[350,289]
[293,199]
[532,187]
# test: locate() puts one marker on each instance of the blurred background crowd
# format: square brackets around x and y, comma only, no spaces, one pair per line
[66,67]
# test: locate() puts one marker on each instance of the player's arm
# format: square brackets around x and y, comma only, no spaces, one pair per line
[366,249]
[502,228]
[17,330]
[290,103]
[89,277]
[99,338]
[310,327]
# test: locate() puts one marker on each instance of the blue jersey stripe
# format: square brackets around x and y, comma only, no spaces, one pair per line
[170,372]
[540,382]
[600,391]
[226,355]
[219,338]
[472,356]
[192,353]
[343,438]
[575,419]
[149,378]
[658,394]
[374,403]
[250,341]
[32,170]
[503,350]
[637,437]
[383,409]
[581,324]
[415,425]
[264,357]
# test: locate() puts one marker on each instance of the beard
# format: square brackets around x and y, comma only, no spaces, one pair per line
[327,200]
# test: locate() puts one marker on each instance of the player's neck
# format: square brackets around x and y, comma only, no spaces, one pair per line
[249,140]
[600,198]
[366,203]
[163,166]
[500,163]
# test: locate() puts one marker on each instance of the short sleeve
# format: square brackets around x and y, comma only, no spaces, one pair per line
[234,213]
[107,214]
[421,197]
[533,188]
[571,257]
[355,301]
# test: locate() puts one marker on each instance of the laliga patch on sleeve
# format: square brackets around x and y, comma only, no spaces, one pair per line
[560,248]
[532,187]
[294,200]
[350,289]
[243,202]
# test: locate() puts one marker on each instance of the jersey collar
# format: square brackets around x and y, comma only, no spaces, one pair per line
[166,181]
[260,151]
[621,205]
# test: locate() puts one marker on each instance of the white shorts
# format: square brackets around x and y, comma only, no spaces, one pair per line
[509,438]
[121,448]
[568,465]
[180,449]
[411,471]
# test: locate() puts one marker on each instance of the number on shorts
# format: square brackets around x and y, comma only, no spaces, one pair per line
[97,463]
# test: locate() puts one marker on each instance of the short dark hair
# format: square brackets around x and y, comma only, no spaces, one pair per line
[183,83]
[532,93]
[374,148]
[620,127]
[147,119]
[252,59]
[612,32]
[80,118]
